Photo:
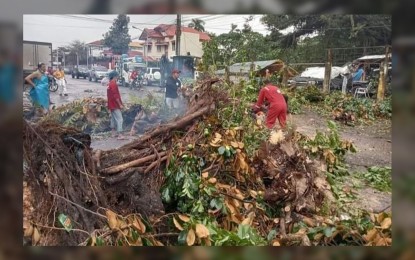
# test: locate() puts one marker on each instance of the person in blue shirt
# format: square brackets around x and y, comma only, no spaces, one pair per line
[358,75]
[7,78]
[39,93]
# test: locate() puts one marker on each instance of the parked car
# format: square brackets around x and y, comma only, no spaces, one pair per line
[67,70]
[80,71]
[151,76]
[97,73]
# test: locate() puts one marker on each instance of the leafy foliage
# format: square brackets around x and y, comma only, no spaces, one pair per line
[379,178]
[118,38]
[329,146]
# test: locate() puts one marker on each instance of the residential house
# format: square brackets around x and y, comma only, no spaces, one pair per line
[98,49]
[162,39]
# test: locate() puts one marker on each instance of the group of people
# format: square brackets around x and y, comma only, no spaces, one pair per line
[277,105]
[115,104]
[39,81]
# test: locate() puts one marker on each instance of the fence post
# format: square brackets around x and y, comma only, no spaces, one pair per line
[284,75]
[327,72]
[383,71]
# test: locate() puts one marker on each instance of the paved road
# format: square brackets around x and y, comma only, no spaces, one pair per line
[83,88]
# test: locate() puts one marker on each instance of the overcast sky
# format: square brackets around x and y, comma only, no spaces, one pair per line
[61,30]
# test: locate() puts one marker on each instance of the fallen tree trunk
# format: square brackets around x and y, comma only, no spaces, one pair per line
[180,123]
[119,168]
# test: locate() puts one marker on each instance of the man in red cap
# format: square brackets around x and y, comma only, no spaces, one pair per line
[277,104]
[172,85]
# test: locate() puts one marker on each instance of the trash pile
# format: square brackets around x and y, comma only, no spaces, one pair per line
[188,181]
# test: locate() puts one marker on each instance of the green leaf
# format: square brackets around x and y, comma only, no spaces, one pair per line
[182,237]
[100,241]
[328,231]
[221,150]
[271,235]
[243,231]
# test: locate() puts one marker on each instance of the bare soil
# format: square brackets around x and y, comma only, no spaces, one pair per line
[373,142]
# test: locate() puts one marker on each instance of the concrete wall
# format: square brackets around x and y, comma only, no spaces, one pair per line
[189,42]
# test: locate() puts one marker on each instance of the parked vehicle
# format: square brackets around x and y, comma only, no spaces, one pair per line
[80,71]
[97,73]
[67,70]
[35,53]
[151,76]
[314,76]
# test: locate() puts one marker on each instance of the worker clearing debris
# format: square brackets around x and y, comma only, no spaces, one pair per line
[277,107]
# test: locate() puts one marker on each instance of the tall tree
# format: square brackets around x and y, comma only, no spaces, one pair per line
[336,30]
[118,38]
[197,24]
[79,50]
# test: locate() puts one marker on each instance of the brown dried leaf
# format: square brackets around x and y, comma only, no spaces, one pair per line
[212,180]
[177,224]
[241,145]
[207,241]
[234,144]
[380,217]
[386,223]
[248,220]
[142,226]
[202,231]
[371,234]
[276,243]
[190,238]
[205,175]
[253,193]
[183,218]
[112,219]
[309,222]
[28,231]
[35,236]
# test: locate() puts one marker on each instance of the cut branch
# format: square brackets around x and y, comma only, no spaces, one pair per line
[118,168]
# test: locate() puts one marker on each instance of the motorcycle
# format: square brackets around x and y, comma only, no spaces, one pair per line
[53,85]
[136,84]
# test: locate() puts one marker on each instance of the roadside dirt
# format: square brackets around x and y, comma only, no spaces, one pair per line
[374,148]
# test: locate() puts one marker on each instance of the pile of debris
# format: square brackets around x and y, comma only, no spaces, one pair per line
[114,195]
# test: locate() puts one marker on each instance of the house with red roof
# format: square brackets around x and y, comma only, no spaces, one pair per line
[162,39]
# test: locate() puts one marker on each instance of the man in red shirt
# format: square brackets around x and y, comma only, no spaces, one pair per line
[277,105]
[115,105]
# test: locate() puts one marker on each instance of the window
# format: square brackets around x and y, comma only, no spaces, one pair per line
[149,48]
[173,45]
[158,48]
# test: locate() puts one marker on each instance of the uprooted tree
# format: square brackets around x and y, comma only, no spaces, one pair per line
[190,181]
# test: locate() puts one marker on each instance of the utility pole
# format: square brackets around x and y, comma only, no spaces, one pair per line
[327,72]
[87,56]
[178,33]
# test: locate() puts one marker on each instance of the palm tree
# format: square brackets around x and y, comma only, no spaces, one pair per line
[197,24]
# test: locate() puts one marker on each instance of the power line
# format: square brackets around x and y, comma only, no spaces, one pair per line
[70,26]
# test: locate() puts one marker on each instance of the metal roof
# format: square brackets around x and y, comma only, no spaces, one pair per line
[244,67]
[373,57]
